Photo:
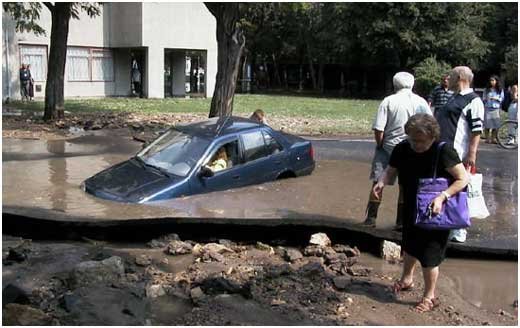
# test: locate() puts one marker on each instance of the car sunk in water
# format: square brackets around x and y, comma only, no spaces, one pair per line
[216,154]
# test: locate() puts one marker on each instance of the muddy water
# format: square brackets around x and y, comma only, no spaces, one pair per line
[47,175]
[490,285]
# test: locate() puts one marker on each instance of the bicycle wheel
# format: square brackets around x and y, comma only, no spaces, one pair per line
[508,134]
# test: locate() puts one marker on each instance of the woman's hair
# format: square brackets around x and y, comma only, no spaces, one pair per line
[424,124]
[497,85]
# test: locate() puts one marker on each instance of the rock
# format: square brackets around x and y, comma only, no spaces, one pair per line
[276,302]
[312,268]
[69,301]
[210,248]
[153,291]
[177,247]
[214,256]
[359,271]
[292,255]
[163,241]
[18,254]
[262,246]
[347,250]
[390,251]
[314,250]
[350,300]
[226,242]
[320,239]
[221,285]
[143,260]
[341,311]
[341,282]
[14,294]
[279,270]
[93,272]
[197,294]
[23,315]
[280,251]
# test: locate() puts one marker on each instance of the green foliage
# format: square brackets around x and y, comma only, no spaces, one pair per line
[428,75]
[511,64]
[26,15]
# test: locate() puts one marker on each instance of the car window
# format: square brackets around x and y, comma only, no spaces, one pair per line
[174,151]
[224,157]
[273,146]
[254,146]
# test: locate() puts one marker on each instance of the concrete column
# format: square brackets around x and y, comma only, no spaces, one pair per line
[155,72]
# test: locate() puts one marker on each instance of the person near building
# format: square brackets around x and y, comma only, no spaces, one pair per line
[461,122]
[412,160]
[493,97]
[440,94]
[393,113]
[512,114]
[31,84]
[25,79]
[136,78]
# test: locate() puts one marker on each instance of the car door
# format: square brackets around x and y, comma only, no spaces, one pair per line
[261,162]
[228,178]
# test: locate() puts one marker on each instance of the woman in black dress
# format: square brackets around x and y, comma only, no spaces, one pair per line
[411,160]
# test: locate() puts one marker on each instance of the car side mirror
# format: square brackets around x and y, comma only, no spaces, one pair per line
[206,172]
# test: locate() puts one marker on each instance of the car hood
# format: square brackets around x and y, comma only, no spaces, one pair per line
[129,181]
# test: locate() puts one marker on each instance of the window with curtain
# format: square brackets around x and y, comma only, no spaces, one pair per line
[77,68]
[36,56]
[102,66]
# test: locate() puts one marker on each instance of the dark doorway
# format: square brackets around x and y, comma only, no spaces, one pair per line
[137,72]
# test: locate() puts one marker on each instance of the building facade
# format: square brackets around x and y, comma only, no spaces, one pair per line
[153,50]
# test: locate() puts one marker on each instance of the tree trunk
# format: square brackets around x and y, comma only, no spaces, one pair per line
[321,81]
[300,84]
[54,93]
[231,41]
[285,78]
[342,84]
[311,68]
[276,72]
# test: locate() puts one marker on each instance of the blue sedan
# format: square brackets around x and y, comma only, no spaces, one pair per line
[216,154]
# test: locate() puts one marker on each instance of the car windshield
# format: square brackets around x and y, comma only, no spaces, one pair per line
[174,152]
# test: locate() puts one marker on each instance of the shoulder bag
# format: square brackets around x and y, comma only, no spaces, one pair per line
[454,213]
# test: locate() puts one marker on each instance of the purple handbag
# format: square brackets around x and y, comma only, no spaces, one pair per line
[454,213]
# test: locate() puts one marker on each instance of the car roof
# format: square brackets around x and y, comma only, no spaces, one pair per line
[218,126]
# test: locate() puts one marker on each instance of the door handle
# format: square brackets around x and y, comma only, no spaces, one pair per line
[236,177]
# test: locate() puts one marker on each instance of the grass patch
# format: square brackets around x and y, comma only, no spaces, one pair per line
[329,115]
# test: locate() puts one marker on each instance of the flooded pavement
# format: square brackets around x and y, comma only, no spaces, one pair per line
[47,175]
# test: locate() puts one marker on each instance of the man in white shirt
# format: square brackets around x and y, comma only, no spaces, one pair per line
[393,113]
[461,121]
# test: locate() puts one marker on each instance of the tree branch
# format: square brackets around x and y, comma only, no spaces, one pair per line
[50,6]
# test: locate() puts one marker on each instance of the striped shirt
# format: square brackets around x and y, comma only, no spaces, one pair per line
[462,115]
[439,97]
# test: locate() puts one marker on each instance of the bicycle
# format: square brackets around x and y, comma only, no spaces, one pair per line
[508,134]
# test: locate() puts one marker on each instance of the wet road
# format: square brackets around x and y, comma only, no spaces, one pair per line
[47,175]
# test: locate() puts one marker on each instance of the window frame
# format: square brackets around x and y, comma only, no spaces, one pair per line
[91,51]
[46,55]
[280,146]
[244,150]
[216,148]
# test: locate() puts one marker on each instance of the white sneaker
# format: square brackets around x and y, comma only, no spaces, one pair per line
[458,235]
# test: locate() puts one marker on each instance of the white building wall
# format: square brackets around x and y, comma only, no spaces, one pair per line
[178,26]
[152,26]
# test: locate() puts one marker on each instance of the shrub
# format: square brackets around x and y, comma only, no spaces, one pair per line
[428,74]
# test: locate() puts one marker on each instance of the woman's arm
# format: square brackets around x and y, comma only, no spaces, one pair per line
[388,175]
[458,172]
